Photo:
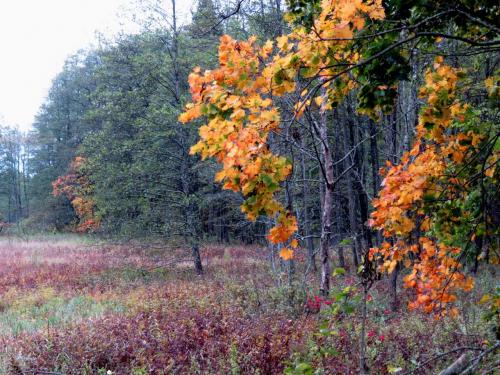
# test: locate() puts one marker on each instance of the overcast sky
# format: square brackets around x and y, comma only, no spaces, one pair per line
[36,36]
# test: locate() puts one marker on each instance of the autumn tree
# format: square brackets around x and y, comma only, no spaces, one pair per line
[78,189]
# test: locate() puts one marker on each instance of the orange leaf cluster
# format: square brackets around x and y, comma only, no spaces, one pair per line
[77,188]
[323,52]
[234,98]
[421,176]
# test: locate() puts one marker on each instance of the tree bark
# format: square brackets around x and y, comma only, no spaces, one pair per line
[326,217]
[305,208]
[195,251]
[352,202]
[363,367]
[394,288]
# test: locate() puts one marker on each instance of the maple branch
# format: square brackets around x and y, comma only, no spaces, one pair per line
[416,26]
[456,37]
[477,20]
[374,35]
[224,17]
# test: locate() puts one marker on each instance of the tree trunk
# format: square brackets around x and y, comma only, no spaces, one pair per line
[352,202]
[195,251]
[305,207]
[394,289]
[356,176]
[374,156]
[363,367]
[341,257]
[326,218]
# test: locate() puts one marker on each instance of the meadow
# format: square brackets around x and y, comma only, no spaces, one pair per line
[71,305]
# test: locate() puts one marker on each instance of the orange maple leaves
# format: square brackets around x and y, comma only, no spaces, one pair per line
[237,101]
[322,53]
[400,210]
[234,98]
[77,188]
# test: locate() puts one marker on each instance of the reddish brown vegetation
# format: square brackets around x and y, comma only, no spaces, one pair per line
[170,321]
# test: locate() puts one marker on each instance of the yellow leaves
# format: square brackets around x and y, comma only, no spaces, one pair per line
[277,235]
[282,42]
[343,31]
[490,172]
[238,88]
[403,226]
[375,10]
[358,22]
[390,265]
[438,61]
[492,85]
[347,9]
[220,176]
[426,224]
[232,101]
[457,156]
[192,112]
[267,49]
[484,299]
[253,169]
[434,275]
[410,281]
[270,116]
[468,284]
[286,86]
[266,103]
[238,115]
[197,148]
[300,107]
[286,253]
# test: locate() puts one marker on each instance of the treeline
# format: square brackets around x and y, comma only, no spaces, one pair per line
[117,107]
[15,153]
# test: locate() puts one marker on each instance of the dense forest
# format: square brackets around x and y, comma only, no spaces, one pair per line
[340,138]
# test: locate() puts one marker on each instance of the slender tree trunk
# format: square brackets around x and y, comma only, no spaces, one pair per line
[25,183]
[195,252]
[342,263]
[326,218]
[363,367]
[351,198]
[305,207]
[175,53]
[356,180]
[394,288]
[374,156]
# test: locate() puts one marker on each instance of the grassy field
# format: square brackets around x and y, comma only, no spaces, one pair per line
[71,306]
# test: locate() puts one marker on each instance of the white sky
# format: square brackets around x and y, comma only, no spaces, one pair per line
[36,37]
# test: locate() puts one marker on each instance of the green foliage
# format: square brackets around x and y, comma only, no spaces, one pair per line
[304,12]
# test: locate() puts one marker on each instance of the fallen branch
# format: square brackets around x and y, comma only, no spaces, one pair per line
[472,368]
[458,366]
